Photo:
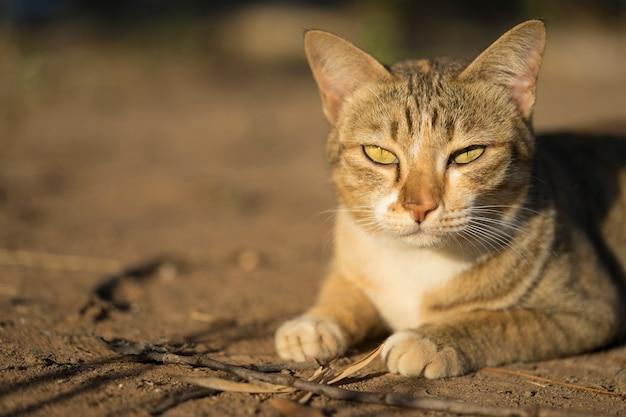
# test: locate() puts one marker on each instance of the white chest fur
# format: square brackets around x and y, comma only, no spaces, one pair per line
[396,277]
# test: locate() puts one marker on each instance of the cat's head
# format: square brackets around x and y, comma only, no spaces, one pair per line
[430,150]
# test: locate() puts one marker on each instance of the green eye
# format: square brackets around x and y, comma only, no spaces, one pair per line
[467,155]
[380,155]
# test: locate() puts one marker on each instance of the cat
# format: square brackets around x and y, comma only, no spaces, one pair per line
[475,242]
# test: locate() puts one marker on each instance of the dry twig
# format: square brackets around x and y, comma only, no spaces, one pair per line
[161,355]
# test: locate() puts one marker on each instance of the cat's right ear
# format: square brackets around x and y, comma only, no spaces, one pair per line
[339,68]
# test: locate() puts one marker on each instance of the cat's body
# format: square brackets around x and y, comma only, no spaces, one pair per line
[474,242]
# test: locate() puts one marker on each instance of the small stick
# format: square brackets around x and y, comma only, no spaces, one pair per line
[161,355]
[278,367]
[551,381]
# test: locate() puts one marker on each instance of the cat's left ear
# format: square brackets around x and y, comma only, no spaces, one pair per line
[513,61]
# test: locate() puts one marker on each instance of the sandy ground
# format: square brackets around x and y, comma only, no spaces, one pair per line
[128,152]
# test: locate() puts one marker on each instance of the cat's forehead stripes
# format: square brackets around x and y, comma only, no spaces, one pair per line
[409,120]
[374,126]
[414,103]
[393,134]
[434,117]
[423,101]
[449,125]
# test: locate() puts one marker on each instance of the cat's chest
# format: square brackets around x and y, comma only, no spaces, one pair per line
[399,283]
[398,280]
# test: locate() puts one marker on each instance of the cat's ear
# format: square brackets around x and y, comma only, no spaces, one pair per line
[339,68]
[513,61]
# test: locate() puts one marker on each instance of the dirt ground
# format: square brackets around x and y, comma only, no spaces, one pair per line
[118,153]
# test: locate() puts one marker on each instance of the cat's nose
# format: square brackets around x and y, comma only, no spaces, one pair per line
[420,209]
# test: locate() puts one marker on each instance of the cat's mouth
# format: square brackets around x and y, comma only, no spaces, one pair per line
[417,231]
[424,235]
[415,236]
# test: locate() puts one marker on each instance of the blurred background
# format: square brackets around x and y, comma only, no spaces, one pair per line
[129,129]
[135,127]
[203,88]
[144,115]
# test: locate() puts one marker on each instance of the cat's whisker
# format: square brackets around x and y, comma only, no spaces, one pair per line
[358,211]
[369,223]
[485,239]
[328,217]
[463,247]
[507,225]
[505,206]
[503,235]
[504,224]
[502,238]
[474,240]
[468,240]
[328,239]
[331,214]
[494,213]
[505,240]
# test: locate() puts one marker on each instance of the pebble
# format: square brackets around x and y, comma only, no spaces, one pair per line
[30,359]
[249,260]
[168,271]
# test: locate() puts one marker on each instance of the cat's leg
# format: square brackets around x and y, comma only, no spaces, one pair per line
[486,338]
[341,317]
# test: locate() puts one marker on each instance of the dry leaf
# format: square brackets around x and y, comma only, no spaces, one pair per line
[357,366]
[293,409]
[317,374]
[305,398]
[220,384]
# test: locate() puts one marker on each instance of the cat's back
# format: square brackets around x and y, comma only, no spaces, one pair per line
[587,176]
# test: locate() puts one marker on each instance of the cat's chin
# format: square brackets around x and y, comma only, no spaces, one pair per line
[423,240]
[420,239]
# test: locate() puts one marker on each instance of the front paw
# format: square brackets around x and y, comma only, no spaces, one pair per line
[306,338]
[409,353]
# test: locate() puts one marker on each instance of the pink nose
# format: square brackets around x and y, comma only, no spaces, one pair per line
[419,210]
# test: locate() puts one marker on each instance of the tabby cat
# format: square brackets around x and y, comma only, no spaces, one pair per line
[473,241]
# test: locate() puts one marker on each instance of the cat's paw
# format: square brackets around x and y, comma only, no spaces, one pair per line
[409,353]
[306,338]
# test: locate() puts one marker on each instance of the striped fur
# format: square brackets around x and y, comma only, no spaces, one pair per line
[522,257]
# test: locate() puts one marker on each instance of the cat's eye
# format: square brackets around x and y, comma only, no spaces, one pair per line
[467,155]
[380,155]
